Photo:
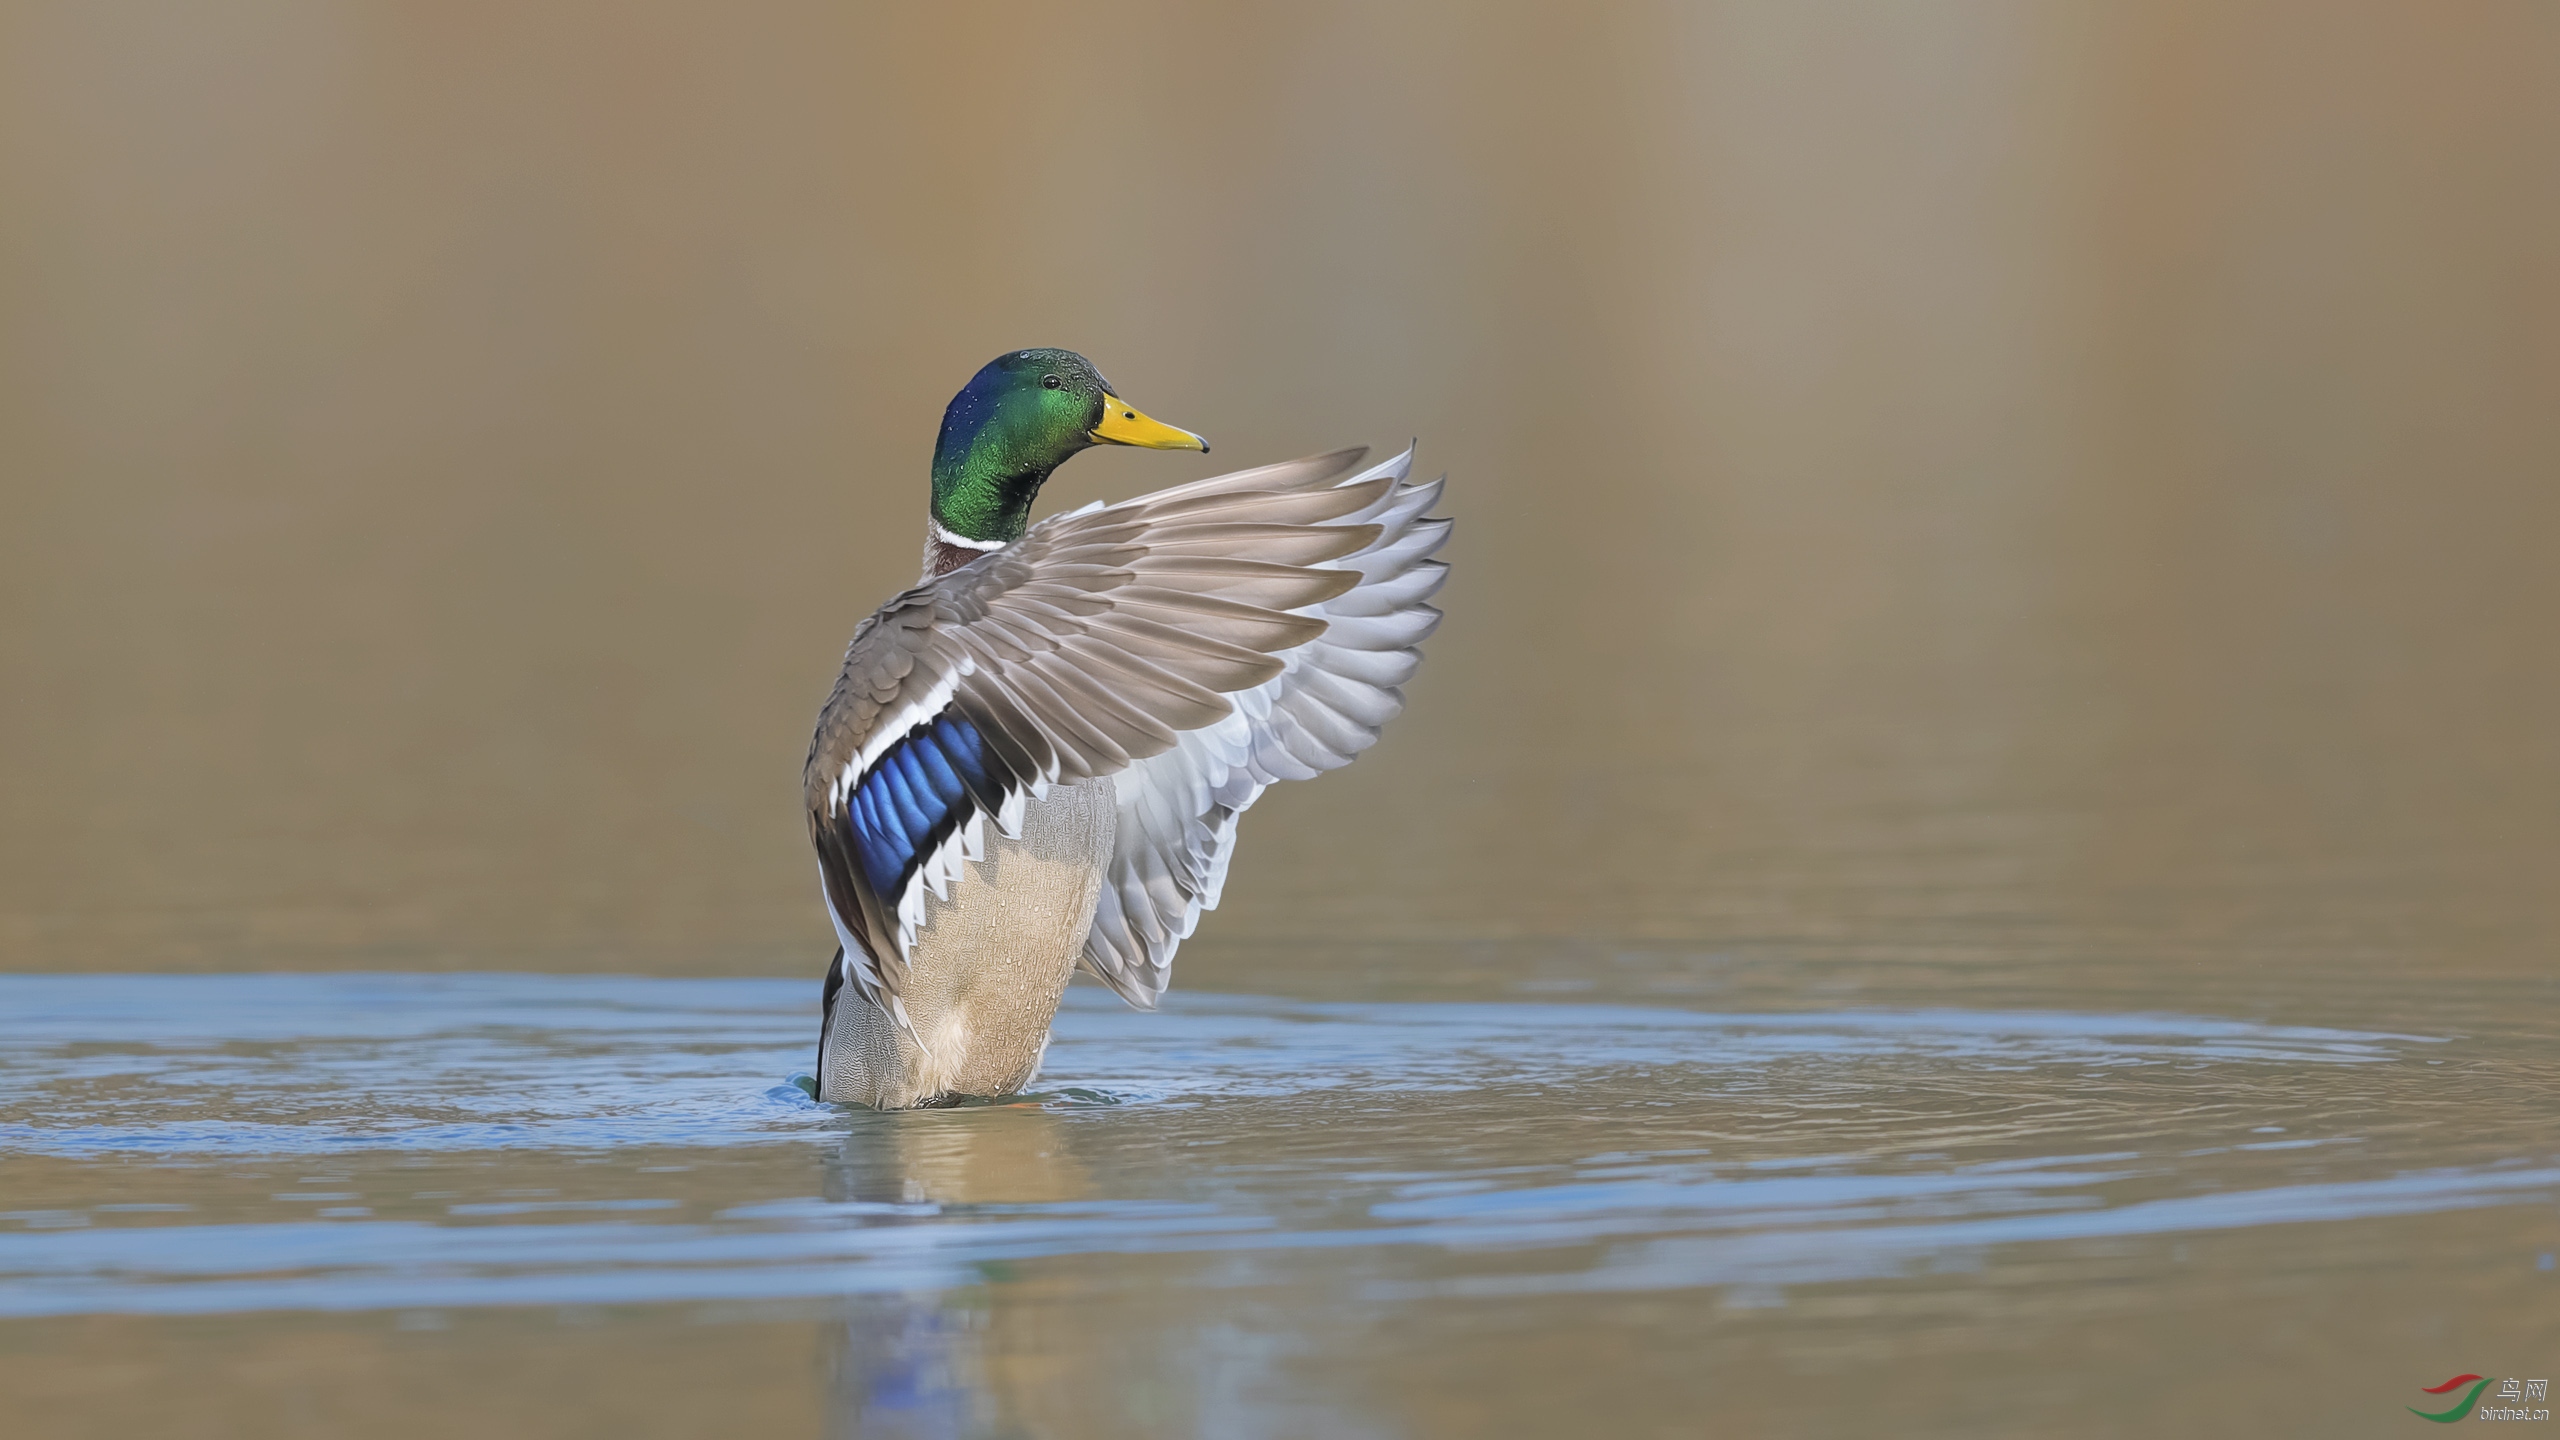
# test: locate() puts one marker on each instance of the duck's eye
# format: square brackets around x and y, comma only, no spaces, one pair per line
[1050,382]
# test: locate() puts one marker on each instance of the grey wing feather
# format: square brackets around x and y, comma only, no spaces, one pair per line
[1179,809]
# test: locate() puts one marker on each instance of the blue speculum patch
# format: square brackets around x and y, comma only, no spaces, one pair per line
[915,795]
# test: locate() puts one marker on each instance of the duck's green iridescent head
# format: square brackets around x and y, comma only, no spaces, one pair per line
[1021,417]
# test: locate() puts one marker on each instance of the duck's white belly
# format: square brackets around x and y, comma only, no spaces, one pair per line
[988,965]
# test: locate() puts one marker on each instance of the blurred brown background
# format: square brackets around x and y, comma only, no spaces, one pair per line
[2019,479]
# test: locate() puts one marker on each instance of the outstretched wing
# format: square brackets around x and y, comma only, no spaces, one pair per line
[1179,808]
[1092,644]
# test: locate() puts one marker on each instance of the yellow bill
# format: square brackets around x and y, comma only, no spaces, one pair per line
[1122,425]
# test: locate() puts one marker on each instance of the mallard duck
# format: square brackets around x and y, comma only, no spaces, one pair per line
[1037,756]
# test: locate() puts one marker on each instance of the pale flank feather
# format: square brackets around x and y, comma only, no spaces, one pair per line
[1199,642]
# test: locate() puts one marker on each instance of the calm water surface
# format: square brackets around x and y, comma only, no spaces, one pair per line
[1250,1215]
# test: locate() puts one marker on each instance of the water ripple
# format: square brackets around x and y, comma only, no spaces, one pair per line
[1746,1150]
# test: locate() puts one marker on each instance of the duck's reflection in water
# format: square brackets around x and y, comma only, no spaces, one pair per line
[947,1363]
[1105,1343]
